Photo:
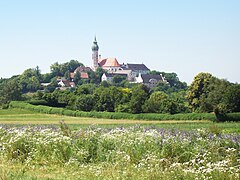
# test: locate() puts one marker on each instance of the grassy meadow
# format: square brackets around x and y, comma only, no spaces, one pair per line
[13,117]
[42,146]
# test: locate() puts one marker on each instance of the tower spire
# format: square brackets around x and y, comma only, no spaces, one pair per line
[95,45]
[95,49]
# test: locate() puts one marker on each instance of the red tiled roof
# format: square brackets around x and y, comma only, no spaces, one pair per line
[84,75]
[109,62]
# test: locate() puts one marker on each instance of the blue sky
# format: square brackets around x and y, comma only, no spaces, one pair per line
[182,36]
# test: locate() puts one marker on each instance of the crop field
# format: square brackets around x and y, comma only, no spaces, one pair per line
[41,146]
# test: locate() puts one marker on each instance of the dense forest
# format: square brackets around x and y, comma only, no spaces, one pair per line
[206,93]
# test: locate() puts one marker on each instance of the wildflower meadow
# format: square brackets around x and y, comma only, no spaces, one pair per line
[136,152]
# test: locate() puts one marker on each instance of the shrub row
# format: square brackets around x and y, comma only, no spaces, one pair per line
[112,115]
[231,117]
[37,102]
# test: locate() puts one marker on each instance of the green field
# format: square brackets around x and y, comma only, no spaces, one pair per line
[25,117]
[32,146]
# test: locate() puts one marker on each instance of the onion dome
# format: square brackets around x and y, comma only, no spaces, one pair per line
[95,45]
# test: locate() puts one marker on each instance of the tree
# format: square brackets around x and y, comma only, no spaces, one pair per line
[38,73]
[164,87]
[173,83]
[46,78]
[85,102]
[160,102]
[85,89]
[215,97]
[95,77]
[52,86]
[198,90]
[118,79]
[67,75]
[30,80]
[179,98]
[60,69]
[77,78]
[105,84]
[72,65]
[124,106]
[56,69]
[140,94]
[107,98]
[51,99]
[232,98]
[10,91]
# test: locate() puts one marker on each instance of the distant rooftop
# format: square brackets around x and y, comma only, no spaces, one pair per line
[135,67]
[147,77]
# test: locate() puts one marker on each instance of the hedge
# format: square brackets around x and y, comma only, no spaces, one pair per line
[118,115]
[232,117]
[37,102]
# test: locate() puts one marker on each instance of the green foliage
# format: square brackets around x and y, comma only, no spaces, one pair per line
[208,94]
[77,78]
[37,102]
[85,89]
[67,75]
[223,117]
[10,91]
[199,90]
[85,102]
[232,98]
[215,96]
[123,108]
[55,110]
[30,80]
[179,98]
[95,77]
[140,94]
[205,94]
[233,117]
[58,98]
[105,84]
[173,83]
[159,102]
[50,98]
[47,77]
[60,69]
[107,98]
[99,72]
[117,80]
[112,115]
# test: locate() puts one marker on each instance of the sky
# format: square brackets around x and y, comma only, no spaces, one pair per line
[182,36]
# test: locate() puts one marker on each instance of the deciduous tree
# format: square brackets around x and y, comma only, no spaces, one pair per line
[198,90]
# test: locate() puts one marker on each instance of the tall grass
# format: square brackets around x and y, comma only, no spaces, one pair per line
[123,153]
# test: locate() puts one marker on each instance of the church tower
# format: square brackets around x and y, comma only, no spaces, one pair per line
[95,54]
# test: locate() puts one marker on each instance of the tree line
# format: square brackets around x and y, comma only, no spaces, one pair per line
[206,93]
